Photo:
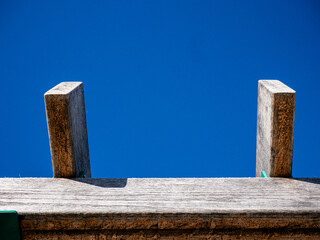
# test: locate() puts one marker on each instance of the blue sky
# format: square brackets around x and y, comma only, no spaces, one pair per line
[170,86]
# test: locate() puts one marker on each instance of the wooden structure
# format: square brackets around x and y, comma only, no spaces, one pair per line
[275,123]
[67,127]
[166,208]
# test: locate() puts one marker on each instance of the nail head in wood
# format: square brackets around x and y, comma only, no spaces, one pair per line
[275,124]
[66,118]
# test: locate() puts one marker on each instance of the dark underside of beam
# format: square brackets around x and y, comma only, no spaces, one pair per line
[176,208]
[177,234]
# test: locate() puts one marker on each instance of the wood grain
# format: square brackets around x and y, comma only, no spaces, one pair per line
[194,234]
[66,118]
[275,124]
[136,208]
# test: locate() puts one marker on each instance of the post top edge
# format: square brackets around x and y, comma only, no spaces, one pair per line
[275,86]
[63,88]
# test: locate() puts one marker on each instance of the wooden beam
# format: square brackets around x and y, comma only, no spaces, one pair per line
[275,123]
[66,118]
[182,207]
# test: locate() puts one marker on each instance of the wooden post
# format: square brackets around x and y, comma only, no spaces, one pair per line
[66,118]
[275,123]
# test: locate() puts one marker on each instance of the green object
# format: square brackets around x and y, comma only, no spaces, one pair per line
[263,174]
[9,225]
[82,175]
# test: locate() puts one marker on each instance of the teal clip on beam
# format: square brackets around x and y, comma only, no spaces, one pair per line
[263,174]
[9,225]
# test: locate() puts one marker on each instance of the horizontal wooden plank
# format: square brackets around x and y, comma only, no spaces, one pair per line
[164,208]
[168,203]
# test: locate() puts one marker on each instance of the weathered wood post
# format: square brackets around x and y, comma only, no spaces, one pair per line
[275,123]
[66,118]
